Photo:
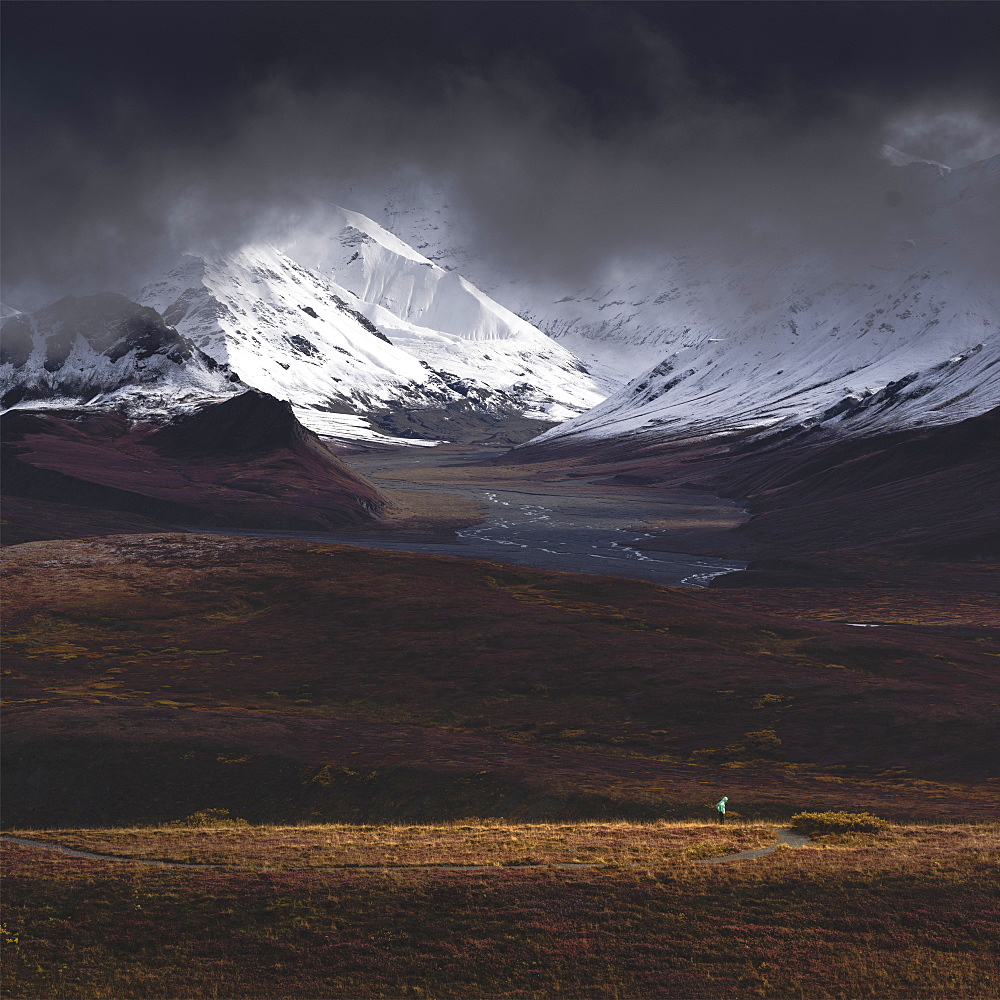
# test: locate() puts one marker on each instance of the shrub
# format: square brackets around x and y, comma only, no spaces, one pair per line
[209,817]
[816,824]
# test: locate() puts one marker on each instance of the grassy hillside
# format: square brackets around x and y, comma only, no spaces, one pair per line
[911,912]
[246,462]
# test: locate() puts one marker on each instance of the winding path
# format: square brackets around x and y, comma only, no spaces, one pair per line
[784,837]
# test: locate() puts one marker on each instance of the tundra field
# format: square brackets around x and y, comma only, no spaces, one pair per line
[316,724]
[908,912]
[151,676]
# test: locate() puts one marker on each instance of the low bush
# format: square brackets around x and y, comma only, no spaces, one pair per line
[209,817]
[817,824]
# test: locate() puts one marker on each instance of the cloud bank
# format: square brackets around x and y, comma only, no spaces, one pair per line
[556,169]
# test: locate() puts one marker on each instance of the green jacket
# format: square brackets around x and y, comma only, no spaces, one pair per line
[721,804]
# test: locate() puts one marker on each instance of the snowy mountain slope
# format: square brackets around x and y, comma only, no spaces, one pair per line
[907,347]
[378,267]
[446,321]
[598,324]
[105,350]
[299,335]
[289,331]
[913,341]
[710,343]
[636,311]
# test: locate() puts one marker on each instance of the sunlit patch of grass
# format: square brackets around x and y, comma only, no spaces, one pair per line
[214,837]
[913,915]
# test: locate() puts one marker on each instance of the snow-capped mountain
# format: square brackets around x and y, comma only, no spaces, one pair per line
[106,350]
[440,317]
[611,325]
[709,344]
[294,335]
[912,346]
[626,318]
[353,325]
[380,329]
[913,340]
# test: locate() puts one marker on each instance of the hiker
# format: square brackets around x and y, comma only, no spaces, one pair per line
[721,806]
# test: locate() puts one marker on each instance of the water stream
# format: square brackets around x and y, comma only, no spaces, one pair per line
[576,527]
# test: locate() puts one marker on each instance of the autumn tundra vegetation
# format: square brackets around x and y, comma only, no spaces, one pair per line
[305,770]
[318,771]
[908,912]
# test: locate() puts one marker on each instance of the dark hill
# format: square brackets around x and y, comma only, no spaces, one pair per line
[243,463]
[253,422]
[929,493]
[822,503]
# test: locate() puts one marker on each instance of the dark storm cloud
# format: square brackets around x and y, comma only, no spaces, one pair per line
[567,133]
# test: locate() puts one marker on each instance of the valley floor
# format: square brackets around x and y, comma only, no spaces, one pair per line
[147,676]
[462,500]
[365,706]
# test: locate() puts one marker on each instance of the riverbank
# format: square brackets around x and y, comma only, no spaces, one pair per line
[468,501]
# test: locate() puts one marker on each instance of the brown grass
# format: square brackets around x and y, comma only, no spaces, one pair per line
[425,515]
[468,842]
[911,913]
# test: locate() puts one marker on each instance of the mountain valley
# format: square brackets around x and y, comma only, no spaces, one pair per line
[500,501]
[371,420]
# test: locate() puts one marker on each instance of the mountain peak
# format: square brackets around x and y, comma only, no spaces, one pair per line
[369,326]
[899,158]
[89,347]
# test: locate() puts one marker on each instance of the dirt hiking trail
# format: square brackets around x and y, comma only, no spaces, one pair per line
[785,837]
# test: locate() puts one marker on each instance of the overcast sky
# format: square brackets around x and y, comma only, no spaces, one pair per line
[567,133]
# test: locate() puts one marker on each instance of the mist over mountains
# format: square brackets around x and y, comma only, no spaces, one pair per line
[567,140]
[376,329]
[717,236]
